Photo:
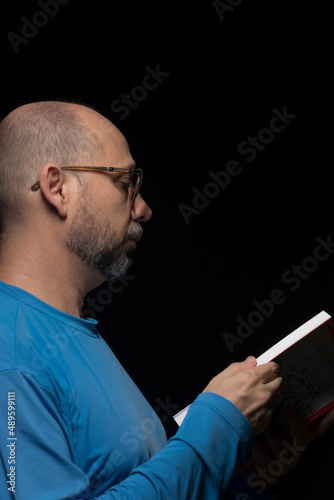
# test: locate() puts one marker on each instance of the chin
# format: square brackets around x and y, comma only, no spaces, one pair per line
[118,270]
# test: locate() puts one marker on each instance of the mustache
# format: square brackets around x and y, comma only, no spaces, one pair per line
[134,230]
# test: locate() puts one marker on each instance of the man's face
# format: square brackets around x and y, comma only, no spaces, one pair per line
[93,240]
[104,228]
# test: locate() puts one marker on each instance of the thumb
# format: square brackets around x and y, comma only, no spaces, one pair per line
[251,360]
[235,368]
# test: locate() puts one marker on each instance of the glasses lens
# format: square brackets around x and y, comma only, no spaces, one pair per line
[135,182]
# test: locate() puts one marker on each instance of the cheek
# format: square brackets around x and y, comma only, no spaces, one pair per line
[113,207]
[119,222]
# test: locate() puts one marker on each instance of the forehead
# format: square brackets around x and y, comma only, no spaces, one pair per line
[115,150]
[115,146]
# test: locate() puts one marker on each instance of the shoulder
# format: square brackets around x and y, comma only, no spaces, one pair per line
[24,333]
[8,315]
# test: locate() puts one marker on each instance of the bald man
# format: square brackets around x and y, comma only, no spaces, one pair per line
[73,424]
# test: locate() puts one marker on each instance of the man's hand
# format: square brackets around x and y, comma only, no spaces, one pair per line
[251,389]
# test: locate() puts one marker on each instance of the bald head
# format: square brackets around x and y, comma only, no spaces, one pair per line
[37,133]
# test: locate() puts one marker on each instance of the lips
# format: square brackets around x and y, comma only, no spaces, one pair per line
[135,238]
[135,233]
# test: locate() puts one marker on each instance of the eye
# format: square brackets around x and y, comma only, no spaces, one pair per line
[126,186]
[130,181]
[126,183]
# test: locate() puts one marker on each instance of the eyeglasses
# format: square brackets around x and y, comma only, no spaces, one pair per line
[133,187]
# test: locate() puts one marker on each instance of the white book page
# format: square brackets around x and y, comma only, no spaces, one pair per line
[293,337]
[179,417]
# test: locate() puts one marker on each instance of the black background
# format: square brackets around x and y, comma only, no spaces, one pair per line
[224,74]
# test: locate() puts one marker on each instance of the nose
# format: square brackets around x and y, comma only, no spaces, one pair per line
[140,211]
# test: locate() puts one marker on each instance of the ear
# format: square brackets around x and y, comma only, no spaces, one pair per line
[52,185]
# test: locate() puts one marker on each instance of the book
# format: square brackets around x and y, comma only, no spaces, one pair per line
[306,359]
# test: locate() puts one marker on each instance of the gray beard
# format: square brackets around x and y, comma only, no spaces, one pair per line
[94,244]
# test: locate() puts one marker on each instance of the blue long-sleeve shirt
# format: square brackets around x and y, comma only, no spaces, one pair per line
[82,429]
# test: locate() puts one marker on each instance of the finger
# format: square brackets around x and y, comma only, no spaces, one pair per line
[251,360]
[235,368]
[268,372]
[229,372]
[275,386]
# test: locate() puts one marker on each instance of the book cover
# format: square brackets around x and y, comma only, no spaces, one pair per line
[306,359]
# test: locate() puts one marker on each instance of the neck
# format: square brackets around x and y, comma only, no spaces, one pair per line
[61,281]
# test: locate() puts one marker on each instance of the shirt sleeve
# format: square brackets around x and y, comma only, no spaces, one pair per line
[197,463]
